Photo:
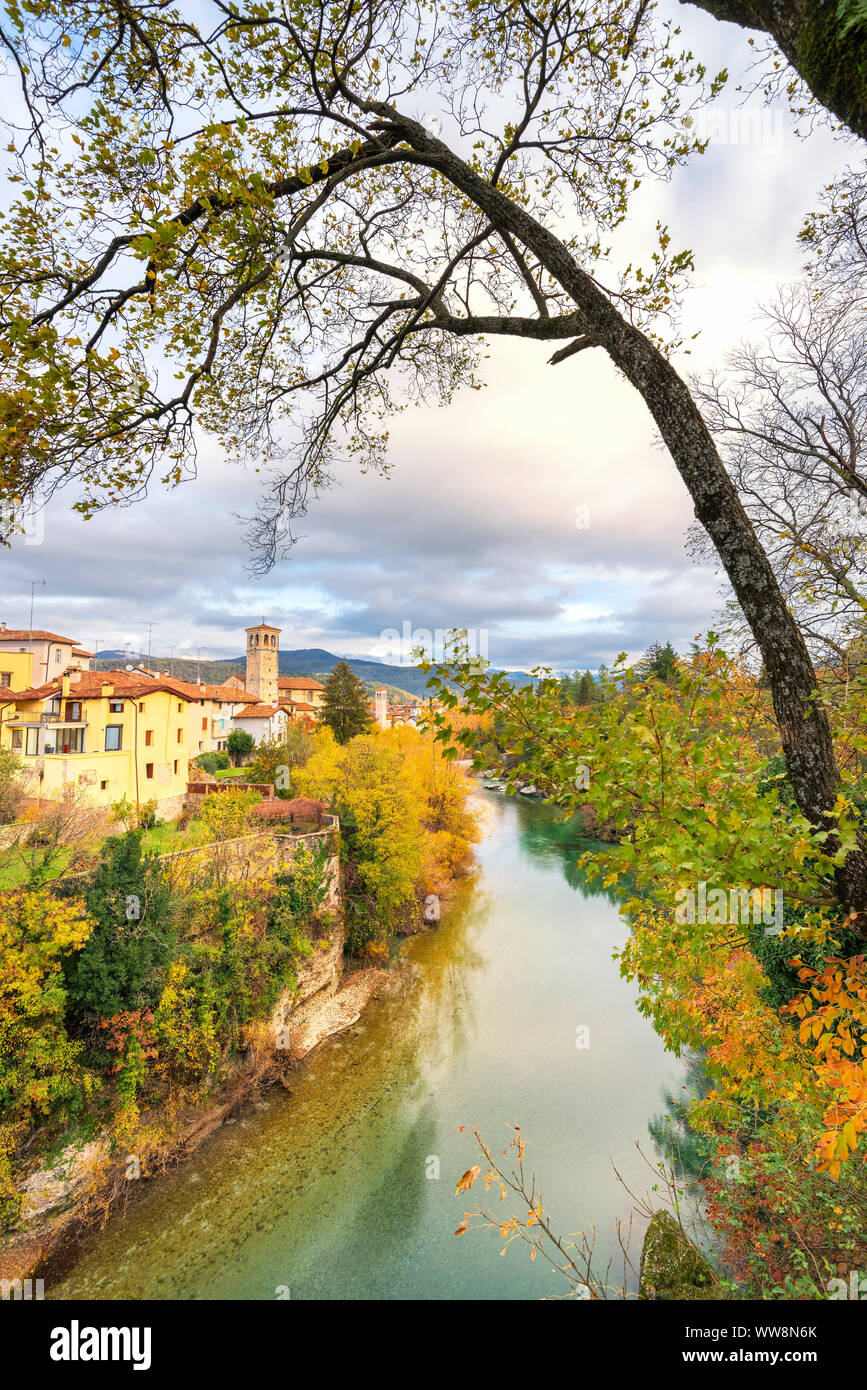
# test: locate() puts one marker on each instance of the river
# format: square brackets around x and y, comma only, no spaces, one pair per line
[331,1192]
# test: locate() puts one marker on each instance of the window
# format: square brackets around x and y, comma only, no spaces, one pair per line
[113,738]
[17,738]
[180,706]
[32,743]
[176,767]
[64,740]
[73,710]
[180,735]
[149,738]
[204,725]
[141,708]
[116,706]
[103,786]
[149,770]
[5,677]
[57,656]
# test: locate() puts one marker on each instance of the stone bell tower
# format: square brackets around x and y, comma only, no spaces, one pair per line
[262,653]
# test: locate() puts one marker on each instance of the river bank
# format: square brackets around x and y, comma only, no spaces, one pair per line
[63,1201]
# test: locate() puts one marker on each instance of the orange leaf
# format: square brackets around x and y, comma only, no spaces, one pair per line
[468,1179]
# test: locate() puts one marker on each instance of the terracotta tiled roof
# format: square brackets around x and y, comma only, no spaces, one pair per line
[87,685]
[191,691]
[79,651]
[301,705]
[256,712]
[219,692]
[298,683]
[36,634]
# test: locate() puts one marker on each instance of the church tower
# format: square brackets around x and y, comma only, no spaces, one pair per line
[262,652]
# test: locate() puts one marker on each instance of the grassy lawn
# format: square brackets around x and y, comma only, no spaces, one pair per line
[231,772]
[162,839]
[13,870]
[166,837]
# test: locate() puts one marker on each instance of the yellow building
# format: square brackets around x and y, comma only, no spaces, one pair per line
[16,672]
[113,734]
[210,710]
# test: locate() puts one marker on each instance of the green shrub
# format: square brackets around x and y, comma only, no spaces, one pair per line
[212,762]
[122,963]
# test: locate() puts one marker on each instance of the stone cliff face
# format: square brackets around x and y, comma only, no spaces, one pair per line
[323,1003]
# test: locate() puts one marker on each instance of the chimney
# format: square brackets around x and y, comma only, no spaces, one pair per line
[64,686]
[106,689]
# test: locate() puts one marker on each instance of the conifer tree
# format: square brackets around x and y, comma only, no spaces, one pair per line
[346,710]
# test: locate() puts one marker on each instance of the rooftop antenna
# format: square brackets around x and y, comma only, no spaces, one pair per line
[34,585]
[150,627]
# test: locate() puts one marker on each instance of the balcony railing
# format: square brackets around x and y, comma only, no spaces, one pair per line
[21,720]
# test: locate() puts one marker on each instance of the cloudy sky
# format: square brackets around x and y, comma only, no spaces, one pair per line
[476,527]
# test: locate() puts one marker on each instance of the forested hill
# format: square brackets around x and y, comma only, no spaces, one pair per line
[311,661]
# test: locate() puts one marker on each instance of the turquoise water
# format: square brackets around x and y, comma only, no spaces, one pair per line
[327,1193]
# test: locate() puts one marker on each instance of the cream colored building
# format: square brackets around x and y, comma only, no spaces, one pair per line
[51,654]
[301,696]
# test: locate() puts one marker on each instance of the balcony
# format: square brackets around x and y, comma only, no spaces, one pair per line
[21,721]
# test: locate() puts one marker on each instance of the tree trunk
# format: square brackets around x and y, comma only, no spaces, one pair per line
[810,34]
[804,729]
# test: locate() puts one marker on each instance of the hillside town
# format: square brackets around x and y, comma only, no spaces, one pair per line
[133,733]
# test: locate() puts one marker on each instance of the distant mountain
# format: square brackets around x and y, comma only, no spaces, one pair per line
[309,661]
